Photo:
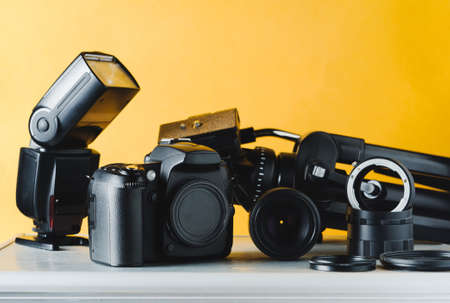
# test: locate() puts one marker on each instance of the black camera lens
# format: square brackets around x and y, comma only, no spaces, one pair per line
[284,224]
[286,171]
[261,169]
[199,213]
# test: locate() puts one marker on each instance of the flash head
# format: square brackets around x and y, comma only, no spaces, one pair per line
[87,96]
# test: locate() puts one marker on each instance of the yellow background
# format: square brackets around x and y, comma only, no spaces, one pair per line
[379,70]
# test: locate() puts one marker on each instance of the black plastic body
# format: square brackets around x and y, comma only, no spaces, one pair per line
[52,188]
[80,104]
[53,173]
[371,233]
[130,220]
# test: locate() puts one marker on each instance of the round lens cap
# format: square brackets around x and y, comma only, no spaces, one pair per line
[199,213]
[342,263]
[420,260]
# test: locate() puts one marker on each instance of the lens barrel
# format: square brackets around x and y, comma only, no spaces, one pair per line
[284,224]
[371,233]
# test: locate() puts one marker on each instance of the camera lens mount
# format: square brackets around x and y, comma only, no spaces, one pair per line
[356,178]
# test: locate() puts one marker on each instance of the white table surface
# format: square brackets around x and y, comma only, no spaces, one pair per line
[246,275]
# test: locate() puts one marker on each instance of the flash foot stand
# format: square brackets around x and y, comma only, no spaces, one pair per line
[51,242]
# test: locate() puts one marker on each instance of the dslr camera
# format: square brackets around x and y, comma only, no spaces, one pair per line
[177,205]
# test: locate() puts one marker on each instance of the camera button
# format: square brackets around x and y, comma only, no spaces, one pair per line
[43,125]
[151,175]
[170,248]
[123,172]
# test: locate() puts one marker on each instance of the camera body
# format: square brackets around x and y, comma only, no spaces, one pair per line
[254,170]
[177,205]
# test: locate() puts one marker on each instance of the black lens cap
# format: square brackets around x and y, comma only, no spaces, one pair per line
[343,263]
[199,213]
[418,260]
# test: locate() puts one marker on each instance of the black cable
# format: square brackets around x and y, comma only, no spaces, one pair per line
[273,132]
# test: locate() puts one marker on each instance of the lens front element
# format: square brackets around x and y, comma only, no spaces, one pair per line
[284,224]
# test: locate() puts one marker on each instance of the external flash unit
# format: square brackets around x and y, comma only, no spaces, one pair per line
[82,102]
[53,172]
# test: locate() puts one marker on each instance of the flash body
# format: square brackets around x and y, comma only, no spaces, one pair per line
[175,206]
[52,187]
[52,179]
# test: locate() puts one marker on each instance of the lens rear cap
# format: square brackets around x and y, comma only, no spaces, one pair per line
[418,260]
[343,263]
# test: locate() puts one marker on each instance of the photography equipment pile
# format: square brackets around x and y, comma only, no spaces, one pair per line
[179,203]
